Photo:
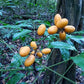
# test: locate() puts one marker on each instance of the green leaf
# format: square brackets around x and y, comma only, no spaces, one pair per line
[10,74]
[82,74]
[65,54]
[47,23]
[69,42]
[79,32]
[16,78]
[78,39]
[37,21]
[20,34]
[79,60]
[17,60]
[62,45]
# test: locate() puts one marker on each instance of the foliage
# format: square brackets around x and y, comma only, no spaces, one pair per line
[24,31]
[79,60]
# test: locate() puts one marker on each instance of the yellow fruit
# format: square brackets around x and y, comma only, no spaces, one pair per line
[39,54]
[52,30]
[46,50]
[29,61]
[57,18]
[24,51]
[33,45]
[62,35]
[33,52]
[62,23]
[41,29]
[69,28]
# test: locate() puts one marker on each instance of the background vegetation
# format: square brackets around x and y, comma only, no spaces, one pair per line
[19,20]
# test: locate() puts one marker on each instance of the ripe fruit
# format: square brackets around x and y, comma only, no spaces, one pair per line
[24,51]
[39,54]
[52,30]
[57,18]
[33,52]
[62,23]
[69,28]
[46,50]
[62,35]
[33,45]
[29,61]
[41,29]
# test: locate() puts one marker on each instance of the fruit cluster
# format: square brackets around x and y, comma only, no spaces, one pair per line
[24,51]
[60,23]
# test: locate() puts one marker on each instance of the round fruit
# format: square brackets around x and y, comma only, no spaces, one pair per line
[33,52]
[46,50]
[41,29]
[69,28]
[62,35]
[52,30]
[57,18]
[39,54]
[62,23]
[24,51]
[33,45]
[29,61]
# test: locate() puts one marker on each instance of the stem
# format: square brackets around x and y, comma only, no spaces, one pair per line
[58,74]
[58,63]
[65,73]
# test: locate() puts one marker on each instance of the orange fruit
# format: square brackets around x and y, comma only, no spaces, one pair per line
[24,51]
[46,50]
[33,45]
[69,28]
[33,52]
[41,30]
[52,30]
[39,54]
[62,23]
[57,18]
[62,35]
[29,61]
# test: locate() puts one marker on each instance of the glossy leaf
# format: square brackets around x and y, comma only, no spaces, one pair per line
[78,39]
[79,60]
[61,45]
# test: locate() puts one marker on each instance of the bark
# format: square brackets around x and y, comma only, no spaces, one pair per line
[81,24]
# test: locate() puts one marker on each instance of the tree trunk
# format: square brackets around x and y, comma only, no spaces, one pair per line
[81,24]
[70,9]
